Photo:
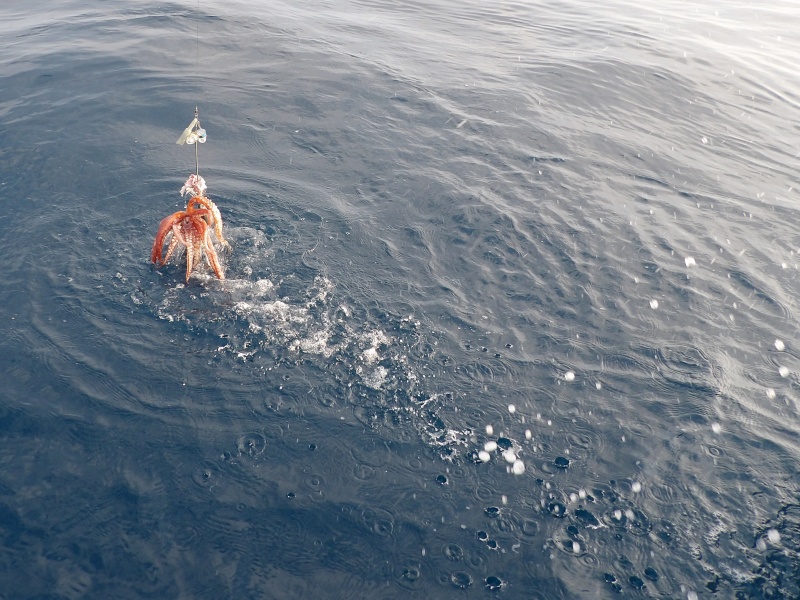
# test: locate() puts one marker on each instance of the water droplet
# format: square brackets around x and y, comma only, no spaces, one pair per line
[716,427]
[484,456]
[569,376]
[510,456]
[773,536]
[518,468]
[512,409]
[690,262]
[653,304]
[528,434]
[770,393]
[779,345]
[784,371]
[636,487]
[489,430]
[576,547]
[490,446]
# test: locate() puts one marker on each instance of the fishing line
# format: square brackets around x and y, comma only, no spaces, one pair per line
[197,79]
[194,134]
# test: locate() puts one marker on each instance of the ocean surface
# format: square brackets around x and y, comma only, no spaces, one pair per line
[511,308]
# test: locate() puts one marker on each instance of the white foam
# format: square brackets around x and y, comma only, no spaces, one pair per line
[370,355]
[376,378]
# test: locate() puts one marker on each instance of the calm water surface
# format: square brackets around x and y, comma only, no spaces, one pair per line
[464,234]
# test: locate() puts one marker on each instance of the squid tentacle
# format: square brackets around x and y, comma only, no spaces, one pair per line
[192,229]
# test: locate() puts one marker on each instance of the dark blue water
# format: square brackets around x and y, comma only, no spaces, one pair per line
[464,234]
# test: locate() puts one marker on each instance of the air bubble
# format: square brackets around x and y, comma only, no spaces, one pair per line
[493,583]
[651,574]
[461,580]
[453,551]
